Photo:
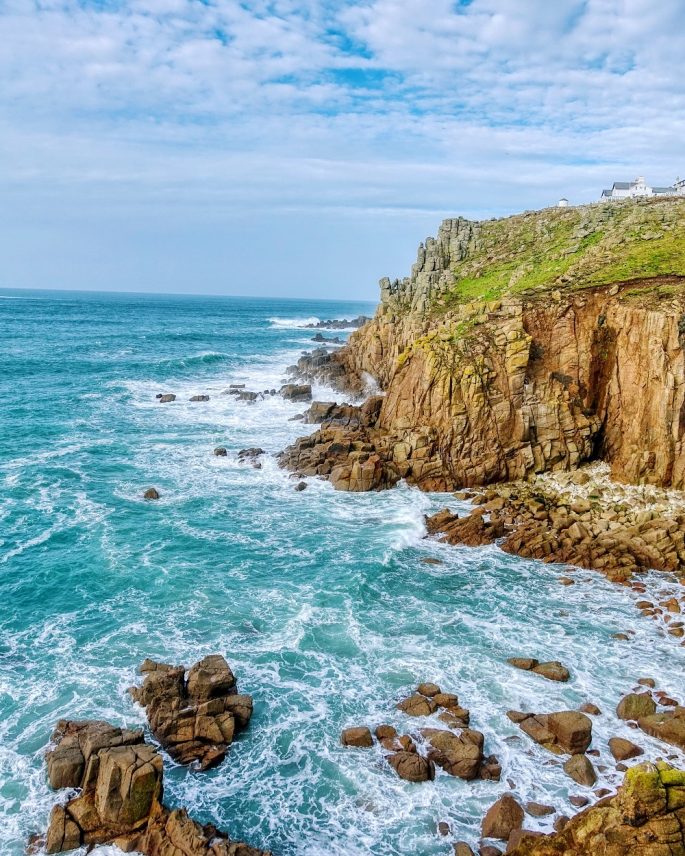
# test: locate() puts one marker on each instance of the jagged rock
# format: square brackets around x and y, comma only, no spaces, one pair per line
[151,493]
[552,670]
[167,397]
[199,398]
[642,818]
[458,754]
[120,782]
[473,530]
[221,451]
[412,767]
[623,749]
[502,818]
[340,324]
[635,705]
[580,769]
[568,731]
[244,395]
[359,737]
[194,719]
[250,455]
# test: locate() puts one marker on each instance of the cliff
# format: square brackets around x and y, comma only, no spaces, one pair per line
[521,345]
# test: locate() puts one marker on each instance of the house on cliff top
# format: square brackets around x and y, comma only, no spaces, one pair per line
[639,188]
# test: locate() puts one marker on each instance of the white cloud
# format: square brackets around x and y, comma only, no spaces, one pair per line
[282,105]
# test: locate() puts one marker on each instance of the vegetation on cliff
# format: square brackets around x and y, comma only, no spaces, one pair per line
[569,248]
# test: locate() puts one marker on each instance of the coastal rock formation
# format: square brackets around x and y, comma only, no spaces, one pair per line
[524,345]
[194,717]
[120,781]
[566,731]
[561,522]
[645,817]
[457,749]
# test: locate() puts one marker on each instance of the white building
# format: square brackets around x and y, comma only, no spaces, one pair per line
[640,188]
[563,202]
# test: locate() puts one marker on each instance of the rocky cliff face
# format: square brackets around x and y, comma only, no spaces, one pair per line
[528,344]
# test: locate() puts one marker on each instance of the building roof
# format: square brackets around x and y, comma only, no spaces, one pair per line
[663,189]
[623,185]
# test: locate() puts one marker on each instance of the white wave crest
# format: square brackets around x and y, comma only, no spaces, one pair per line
[294,323]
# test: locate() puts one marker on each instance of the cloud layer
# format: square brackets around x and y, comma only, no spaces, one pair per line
[347,129]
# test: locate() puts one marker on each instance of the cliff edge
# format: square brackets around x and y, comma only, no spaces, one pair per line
[516,346]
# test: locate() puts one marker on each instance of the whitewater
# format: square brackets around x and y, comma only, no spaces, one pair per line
[319,600]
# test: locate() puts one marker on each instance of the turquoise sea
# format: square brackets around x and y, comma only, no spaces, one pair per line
[319,600]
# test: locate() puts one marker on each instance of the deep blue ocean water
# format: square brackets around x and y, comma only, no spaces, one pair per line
[319,599]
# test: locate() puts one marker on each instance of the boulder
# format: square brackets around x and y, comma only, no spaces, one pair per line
[359,737]
[461,848]
[251,455]
[428,689]
[151,493]
[552,670]
[221,451]
[296,391]
[502,818]
[580,769]
[668,726]
[195,719]
[412,767]
[623,749]
[635,705]
[166,398]
[567,731]
[417,705]
[539,809]
[199,398]
[572,729]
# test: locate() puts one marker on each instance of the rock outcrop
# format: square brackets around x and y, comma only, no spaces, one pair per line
[645,817]
[120,778]
[194,717]
[545,519]
[524,345]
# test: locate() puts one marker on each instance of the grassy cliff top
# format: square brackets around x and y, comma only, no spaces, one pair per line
[571,248]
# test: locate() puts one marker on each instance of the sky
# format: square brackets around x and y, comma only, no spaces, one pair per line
[304,147]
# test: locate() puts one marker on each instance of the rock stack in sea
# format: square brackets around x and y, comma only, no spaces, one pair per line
[120,781]
[195,716]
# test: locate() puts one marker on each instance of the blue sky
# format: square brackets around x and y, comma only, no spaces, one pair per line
[304,148]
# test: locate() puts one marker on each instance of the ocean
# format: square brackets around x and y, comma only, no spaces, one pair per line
[318,599]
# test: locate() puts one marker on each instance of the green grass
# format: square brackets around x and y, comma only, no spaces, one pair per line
[570,249]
